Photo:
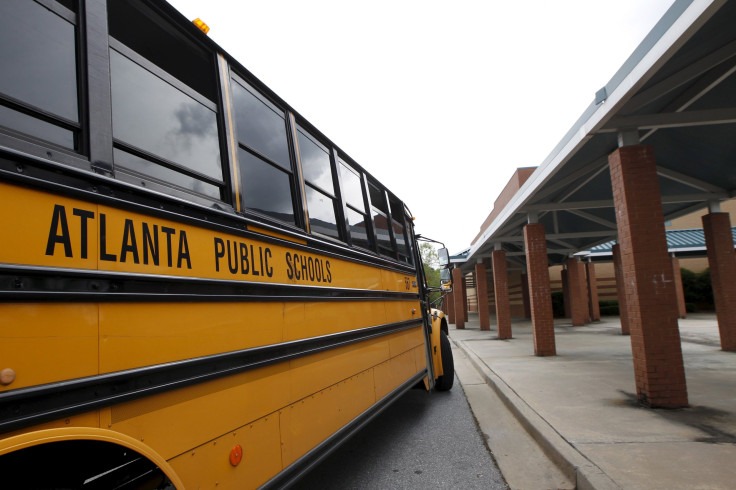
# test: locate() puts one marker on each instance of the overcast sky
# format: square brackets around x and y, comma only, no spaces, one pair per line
[440,101]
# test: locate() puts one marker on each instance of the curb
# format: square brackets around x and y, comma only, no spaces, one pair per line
[586,474]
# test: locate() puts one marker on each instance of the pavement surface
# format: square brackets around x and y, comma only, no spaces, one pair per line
[424,440]
[580,406]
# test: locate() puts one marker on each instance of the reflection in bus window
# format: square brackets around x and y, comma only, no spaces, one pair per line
[380,220]
[146,167]
[321,213]
[36,127]
[315,163]
[265,166]
[266,189]
[398,218]
[260,127]
[358,220]
[317,171]
[38,59]
[158,118]
[352,190]
[358,227]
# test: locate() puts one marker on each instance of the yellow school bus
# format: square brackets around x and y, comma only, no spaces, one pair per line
[198,288]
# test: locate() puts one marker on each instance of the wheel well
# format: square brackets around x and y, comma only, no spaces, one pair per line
[84,464]
[443,326]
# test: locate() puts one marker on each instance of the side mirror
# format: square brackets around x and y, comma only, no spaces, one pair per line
[444,257]
[446,280]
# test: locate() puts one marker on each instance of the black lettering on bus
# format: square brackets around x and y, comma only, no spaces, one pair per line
[150,244]
[103,241]
[129,242]
[329,274]
[84,215]
[269,269]
[232,257]
[289,266]
[260,254]
[253,256]
[219,252]
[318,270]
[305,268]
[244,262]
[168,231]
[59,219]
[183,251]
[310,268]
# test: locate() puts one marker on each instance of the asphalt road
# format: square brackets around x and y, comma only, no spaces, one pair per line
[423,441]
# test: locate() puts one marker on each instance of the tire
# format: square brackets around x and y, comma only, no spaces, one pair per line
[445,382]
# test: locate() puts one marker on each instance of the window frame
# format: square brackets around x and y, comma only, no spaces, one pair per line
[145,180]
[293,172]
[38,145]
[334,196]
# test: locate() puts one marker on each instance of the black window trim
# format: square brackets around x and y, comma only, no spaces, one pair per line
[59,10]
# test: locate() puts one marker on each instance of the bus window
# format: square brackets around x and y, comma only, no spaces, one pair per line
[381,220]
[163,115]
[319,185]
[355,215]
[398,220]
[266,173]
[38,81]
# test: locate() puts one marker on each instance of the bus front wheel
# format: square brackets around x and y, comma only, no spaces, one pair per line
[445,381]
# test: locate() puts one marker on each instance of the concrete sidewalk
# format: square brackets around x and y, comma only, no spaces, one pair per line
[581,405]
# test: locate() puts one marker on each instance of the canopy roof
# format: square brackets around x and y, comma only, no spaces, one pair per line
[676,93]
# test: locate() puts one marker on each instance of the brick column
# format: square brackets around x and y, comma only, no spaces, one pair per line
[482,291]
[565,279]
[464,290]
[620,290]
[540,297]
[584,290]
[578,301]
[458,285]
[679,291]
[501,294]
[722,263]
[595,308]
[525,295]
[647,270]
[449,306]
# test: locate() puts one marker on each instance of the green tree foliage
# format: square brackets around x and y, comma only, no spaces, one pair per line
[430,263]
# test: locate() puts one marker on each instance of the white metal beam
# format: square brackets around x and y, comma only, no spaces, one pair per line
[682,77]
[672,120]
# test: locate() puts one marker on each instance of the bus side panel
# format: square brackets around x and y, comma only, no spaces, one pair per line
[308,422]
[306,320]
[143,334]
[389,375]
[176,421]
[44,343]
[208,465]
[313,373]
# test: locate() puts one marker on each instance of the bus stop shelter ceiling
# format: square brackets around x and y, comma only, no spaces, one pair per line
[676,93]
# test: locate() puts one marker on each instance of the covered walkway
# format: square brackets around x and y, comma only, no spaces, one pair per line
[658,142]
[580,406]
